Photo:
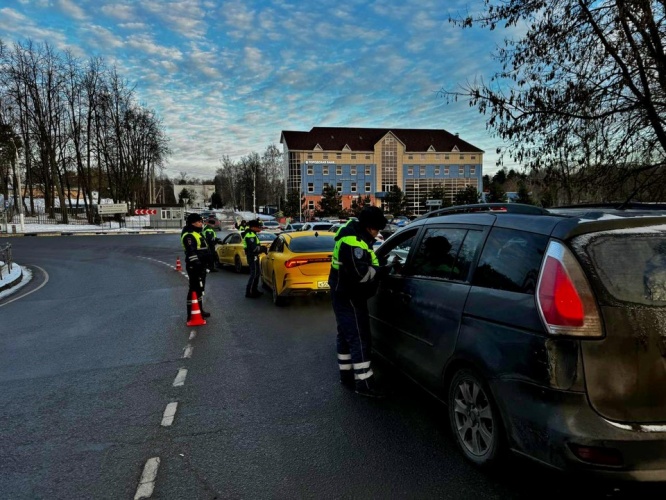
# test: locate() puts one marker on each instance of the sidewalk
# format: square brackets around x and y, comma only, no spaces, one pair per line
[13,279]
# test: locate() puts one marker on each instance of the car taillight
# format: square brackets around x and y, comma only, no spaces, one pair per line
[564,296]
[299,262]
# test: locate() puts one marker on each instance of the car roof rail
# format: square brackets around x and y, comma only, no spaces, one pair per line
[631,205]
[511,208]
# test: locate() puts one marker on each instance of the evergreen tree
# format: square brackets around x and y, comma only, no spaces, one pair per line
[292,207]
[467,196]
[524,195]
[496,193]
[395,201]
[330,204]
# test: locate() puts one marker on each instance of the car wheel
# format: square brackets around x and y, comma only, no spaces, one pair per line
[238,265]
[277,300]
[474,418]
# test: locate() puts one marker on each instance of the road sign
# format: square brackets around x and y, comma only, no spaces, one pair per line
[112,208]
[433,203]
[145,211]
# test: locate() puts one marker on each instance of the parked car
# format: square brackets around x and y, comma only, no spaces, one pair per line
[399,221]
[543,331]
[232,253]
[317,226]
[297,264]
[269,225]
[293,226]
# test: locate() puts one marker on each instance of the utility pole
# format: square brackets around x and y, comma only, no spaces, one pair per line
[254,191]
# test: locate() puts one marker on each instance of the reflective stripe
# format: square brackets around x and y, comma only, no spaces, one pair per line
[361,366]
[345,367]
[363,376]
[344,356]
[369,275]
[352,241]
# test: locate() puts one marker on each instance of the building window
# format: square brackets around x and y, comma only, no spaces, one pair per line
[423,156]
[410,171]
[325,156]
[338,170]
[353,187]
[446,157]
[473,157]
[310,187]
[422,171]
[438,156]
[437,170]
[367,157]
[338,186]
[461,170]
[324,170]
[310,170]
[446,170]
[472,170]
[326,184]
[462,157]
[410,157]
[353,156]
[367,187]
[368,171]
[338,156]
[352,170]
[311,205]
[309,156]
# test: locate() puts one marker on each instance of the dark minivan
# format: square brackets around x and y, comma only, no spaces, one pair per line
[543,331]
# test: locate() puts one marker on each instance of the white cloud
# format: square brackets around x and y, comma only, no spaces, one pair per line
[72,9]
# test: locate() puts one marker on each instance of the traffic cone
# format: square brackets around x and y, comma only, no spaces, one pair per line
[196,318]
[178,268]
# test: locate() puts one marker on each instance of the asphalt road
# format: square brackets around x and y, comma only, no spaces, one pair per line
[90,352]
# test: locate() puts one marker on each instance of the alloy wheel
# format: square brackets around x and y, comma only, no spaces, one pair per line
[473,418]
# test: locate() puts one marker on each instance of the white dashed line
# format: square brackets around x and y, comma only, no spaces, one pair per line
[169,414]
[180,378]
[147,481]
[188,351]
[192,335]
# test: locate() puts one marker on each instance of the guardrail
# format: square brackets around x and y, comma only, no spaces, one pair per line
[6,261]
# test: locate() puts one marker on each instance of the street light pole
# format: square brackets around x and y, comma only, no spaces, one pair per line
[254,191]
[18,183]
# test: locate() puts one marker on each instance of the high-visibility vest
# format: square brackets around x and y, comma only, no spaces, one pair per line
[209,229]
[250,235]
[197,236]
[352,241]
[242,229]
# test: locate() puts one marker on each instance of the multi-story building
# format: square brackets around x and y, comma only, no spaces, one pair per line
[370,161]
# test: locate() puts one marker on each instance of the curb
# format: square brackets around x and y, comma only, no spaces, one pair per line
[91,233]
[7,286]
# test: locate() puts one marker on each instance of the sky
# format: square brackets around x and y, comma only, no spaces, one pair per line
[227,77]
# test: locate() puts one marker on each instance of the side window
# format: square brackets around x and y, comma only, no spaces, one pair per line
[438,252]
[235,238]
[510,261]
[470,245]
[397,249]
[277,245]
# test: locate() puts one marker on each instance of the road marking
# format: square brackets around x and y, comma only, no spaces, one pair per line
[169,414]
[188,351]
[46,280]
[147,481]
[192,335]
[180,378]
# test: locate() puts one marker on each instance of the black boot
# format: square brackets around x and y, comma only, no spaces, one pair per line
[368,388]
[347,378]
[204,314]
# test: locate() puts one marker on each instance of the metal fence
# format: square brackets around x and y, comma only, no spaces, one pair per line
[6,262]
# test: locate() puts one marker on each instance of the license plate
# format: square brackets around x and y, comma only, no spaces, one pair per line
[322,284]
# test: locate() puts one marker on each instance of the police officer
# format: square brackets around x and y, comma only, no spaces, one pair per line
[196,255]
[211,240]
[253,249]
[353,280]
[242,227]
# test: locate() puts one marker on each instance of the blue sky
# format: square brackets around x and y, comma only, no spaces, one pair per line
[227,77]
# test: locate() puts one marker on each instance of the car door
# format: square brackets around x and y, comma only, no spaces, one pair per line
[267,262]
[429,300]
[226,254]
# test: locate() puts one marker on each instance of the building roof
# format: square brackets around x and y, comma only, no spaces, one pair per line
[364,139]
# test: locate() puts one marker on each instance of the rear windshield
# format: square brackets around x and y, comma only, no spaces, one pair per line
[312,244]
[631,264]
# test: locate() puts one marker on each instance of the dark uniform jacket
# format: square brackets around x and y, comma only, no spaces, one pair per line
[355,276]
[195,255]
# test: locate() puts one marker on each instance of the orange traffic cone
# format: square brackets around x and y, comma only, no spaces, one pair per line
[196,318]
[178,268]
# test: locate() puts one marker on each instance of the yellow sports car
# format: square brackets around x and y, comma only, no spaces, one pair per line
[297,263]
[231,252]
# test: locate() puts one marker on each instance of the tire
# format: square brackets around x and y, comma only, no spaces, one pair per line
[475,421]
[277,300]
[238,265]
